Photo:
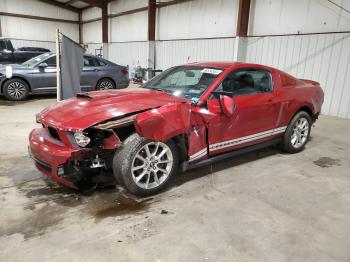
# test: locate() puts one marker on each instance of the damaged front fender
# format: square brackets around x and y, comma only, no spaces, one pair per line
[165,122]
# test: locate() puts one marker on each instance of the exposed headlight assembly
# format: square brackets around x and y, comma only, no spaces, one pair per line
[81,139]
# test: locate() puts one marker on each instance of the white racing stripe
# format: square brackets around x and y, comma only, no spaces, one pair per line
[237,141]
[198,155]
[247,139]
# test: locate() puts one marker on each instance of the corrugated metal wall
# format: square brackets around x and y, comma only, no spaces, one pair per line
[197,19]
[31,29]
[130,53]
[171,53]
[94,48]
[321,57]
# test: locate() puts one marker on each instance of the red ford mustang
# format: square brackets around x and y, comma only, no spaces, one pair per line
[188,116]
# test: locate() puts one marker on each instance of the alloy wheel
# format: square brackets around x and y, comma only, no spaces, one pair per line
[152,165]
[16,90]
[300,132]
[106,84]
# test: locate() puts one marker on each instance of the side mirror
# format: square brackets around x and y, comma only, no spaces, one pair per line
[227,105]
[42,65]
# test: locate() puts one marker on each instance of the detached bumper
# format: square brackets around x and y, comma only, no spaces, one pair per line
[51,155]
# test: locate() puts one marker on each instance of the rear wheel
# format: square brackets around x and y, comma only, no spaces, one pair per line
[297,133]
[145,167]
[16,89]
[104,84]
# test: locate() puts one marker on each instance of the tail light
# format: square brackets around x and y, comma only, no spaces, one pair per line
[124,71]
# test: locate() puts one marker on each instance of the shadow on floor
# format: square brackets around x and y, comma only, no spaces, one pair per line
[31,98]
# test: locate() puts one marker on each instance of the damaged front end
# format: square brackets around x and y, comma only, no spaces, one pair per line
[78,157]
[75,158]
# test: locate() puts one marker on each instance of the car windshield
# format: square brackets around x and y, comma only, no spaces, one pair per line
[38,59]
[184,81]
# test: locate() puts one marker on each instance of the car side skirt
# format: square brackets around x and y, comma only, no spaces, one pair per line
[245,150]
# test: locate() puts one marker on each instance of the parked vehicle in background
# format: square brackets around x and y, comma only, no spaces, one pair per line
[38,76]
[185,117]
[10,55]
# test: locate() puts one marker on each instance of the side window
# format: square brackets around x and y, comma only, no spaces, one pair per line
[247,81]
[51,62]
[99,62]
[2,45]
[89,61]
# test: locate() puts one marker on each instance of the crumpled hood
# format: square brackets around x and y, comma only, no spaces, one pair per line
[82,112]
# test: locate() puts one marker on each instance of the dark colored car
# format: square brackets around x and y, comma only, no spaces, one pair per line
[10,55]
[185,117]
[38,76]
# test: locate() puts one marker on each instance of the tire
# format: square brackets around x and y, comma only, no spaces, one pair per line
[105,84]
[16,89]
[150,179]
[297,133]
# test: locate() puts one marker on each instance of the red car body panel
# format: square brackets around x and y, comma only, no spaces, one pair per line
[50,151]
[82,112]
[171,120]
[159,116]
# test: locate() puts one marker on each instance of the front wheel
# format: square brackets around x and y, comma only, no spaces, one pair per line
[145,167]
[297,133]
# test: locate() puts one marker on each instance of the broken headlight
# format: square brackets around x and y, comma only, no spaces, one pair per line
[81,139]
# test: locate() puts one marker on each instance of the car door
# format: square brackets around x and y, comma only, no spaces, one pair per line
[89,74]
[44,79]
[255,115]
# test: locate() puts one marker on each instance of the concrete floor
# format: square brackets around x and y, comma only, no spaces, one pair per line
[264,206]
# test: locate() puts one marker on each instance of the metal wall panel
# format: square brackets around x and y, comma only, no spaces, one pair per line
[94,48]
[128,28]
[91,13]
[298,16]
[129,53]
[92,32]
[197,19]
[31,29]
[171,53]
[324,58]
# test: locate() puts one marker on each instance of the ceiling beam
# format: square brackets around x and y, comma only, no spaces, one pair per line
[243,18]
[173,2]
[96,3]
[70,2]
[61,5]
[42,18]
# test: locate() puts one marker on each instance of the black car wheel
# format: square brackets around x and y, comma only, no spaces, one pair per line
[145,167]
[297,133]
[104,84]
[16,89]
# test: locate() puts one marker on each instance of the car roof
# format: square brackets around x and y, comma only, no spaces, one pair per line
[216,64]
[227,65]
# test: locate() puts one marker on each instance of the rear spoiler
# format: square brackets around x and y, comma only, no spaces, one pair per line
[310,82]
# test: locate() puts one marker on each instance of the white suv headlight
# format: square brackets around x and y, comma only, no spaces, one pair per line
[81,139]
